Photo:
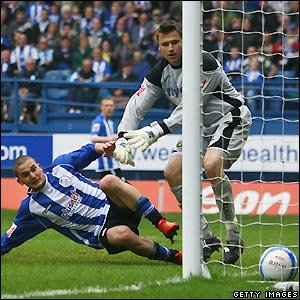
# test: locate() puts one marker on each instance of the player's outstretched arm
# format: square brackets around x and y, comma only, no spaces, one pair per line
[24,227]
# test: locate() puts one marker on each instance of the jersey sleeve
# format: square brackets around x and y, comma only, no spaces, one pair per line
[96,127]
[138,105]
[24,227]
[217,84]
[174,121]
[80,158]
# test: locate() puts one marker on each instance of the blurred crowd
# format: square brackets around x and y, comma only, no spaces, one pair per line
[241,32]
[97,41]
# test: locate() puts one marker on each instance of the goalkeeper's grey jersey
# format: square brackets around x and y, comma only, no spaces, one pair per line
[219,97]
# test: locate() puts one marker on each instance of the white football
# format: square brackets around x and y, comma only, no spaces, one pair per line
[278,263]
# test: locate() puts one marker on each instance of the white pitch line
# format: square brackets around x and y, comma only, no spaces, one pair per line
[261,281]
[91,290]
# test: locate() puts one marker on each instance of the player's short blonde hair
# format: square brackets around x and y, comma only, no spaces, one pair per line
[20,161]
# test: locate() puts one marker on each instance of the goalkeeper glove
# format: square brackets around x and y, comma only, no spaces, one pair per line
[144,137]
[122,153]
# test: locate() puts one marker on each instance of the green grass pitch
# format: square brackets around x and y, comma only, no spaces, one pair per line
[52,266]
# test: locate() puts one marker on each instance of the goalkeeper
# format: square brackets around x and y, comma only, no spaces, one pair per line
[226,122]
[104,215]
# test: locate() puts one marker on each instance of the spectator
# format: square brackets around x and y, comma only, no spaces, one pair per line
[210,36]
[102,71]
[34,10]
[268,63]
[22,52]
[140,34]
[158,18]
[140,67]
[144,6]
[86,22]
[45,55]
[102,130]
[152,55]
[215,22]
[69,33]
[52,36]
[233,65]
[229,12]
[83,93]
[270,20]
[5,29]
[251,51]
[117,33]
[270,59]
[250,37]
[80,53]
[100,66]
[97,34]
[63,55]
[29,91]
[175,11]
[253,80]
[76,15]
[293,11]
[12,7]
[124,50]
[7,71]
[233,31]
[114,14]
[130,15]
[54,14]
[66,18]
[20,23]
[40,28]
[100,11]
[210,43]
[289,48]
[121,96]
[107,54]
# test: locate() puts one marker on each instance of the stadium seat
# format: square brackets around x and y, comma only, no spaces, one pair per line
[56,93]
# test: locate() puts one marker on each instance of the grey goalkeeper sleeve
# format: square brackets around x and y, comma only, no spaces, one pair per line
[138,105]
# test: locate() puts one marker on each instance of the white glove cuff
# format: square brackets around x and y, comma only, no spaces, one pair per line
[158,131]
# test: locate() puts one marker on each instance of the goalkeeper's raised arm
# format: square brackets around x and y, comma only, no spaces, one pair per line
[164,78]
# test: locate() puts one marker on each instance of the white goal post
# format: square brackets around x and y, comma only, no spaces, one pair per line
[191,162]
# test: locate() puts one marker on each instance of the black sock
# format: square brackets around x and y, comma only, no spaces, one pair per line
[162,253]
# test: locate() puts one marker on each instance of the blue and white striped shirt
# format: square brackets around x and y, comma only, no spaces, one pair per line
[69,203]
[104,127]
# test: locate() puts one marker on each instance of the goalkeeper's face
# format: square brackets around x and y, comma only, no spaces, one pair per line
[31,174]
[171,47]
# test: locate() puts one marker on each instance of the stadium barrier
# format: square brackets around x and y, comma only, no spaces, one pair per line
[54,118]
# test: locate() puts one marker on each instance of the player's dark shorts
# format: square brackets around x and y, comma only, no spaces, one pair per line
[119,216]
[116,172]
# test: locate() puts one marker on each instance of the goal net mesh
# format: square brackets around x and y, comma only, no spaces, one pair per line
[257,43]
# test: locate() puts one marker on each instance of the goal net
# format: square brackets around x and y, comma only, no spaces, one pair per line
[257,43]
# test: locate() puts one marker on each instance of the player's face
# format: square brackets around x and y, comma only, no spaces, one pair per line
[31,174]
[171,47]
[107,108]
